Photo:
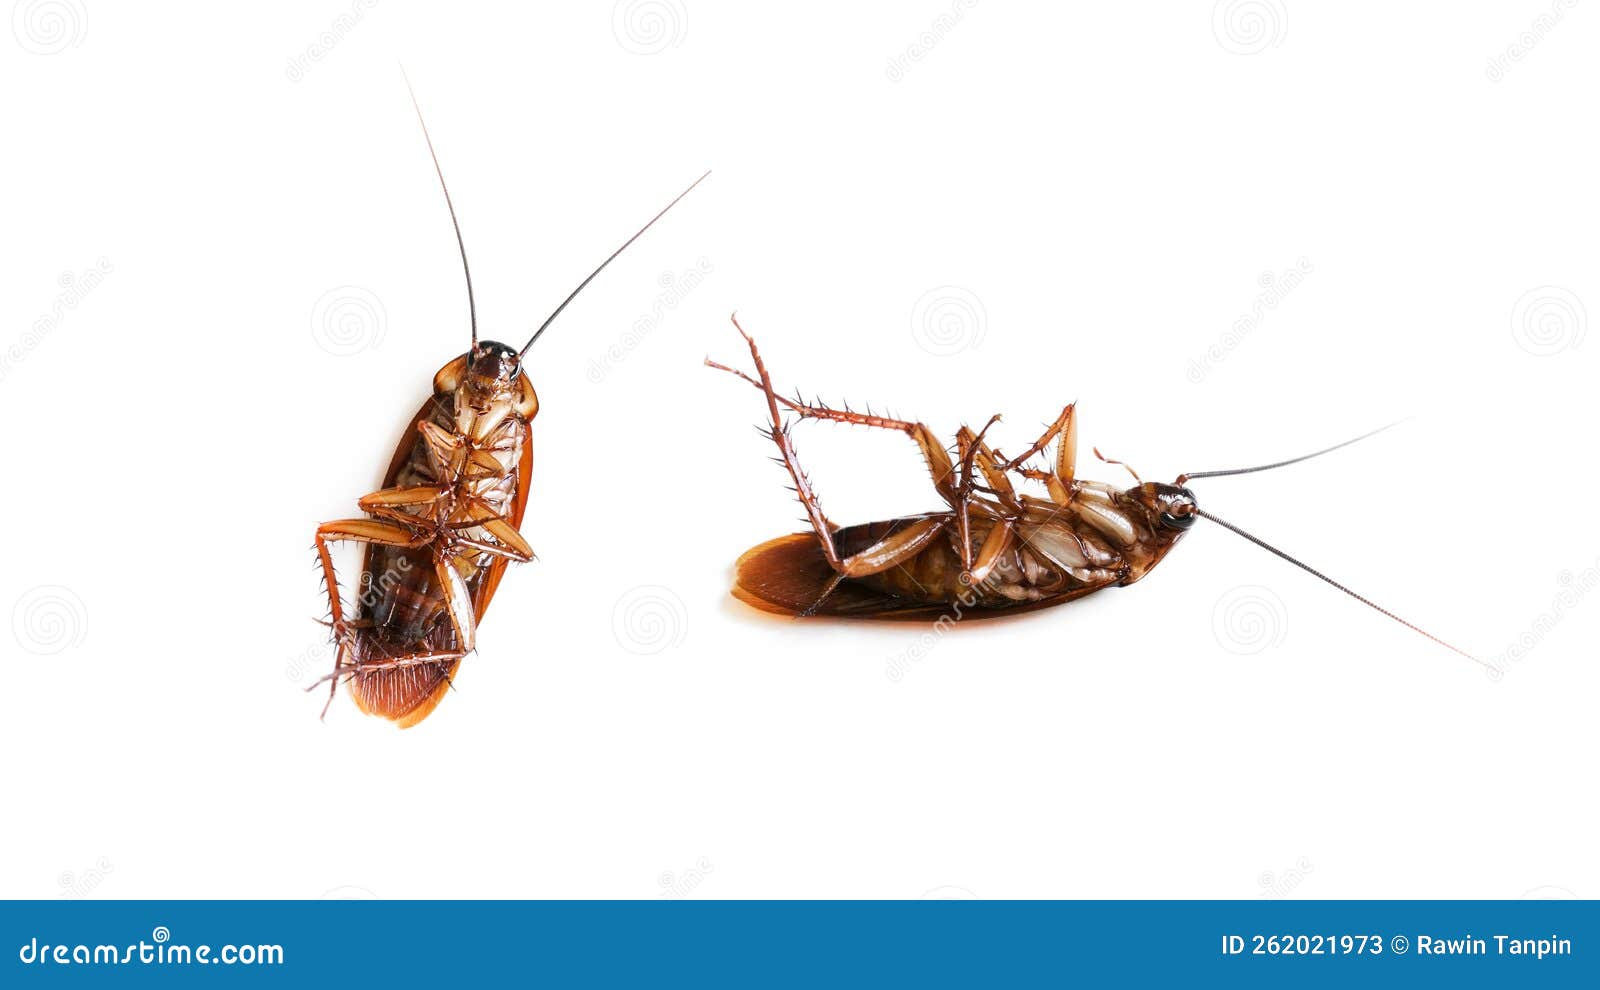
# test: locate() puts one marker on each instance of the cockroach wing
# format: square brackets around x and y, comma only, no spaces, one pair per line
[788,575]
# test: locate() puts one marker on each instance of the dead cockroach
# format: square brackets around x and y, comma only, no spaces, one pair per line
[443,527]
[993,551]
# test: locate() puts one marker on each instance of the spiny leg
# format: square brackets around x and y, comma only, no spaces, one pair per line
[968,445]
[1065,426]
[1060,494]
[888,552]
[938,461]
[463,621]
[986,460]
[359,531]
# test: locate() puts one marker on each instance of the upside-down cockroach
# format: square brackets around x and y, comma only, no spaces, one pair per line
[993,551]
[444,525]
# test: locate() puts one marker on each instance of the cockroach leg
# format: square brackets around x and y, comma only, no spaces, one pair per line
[1060,493]
[510,542]
[358,531]
[933,452]
[391,663]
[894,549]
[888,552]
[458,603]
[986,460]
[968,445]
[1066,427]
[402,505]
[994,547]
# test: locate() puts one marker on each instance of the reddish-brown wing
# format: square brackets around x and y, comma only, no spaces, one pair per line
[787,576]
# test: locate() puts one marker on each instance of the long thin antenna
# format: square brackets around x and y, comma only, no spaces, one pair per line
[1318,574]
[1182,478]
[472,304]
[574,294]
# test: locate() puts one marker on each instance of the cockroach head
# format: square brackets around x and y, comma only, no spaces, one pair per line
[490,359]
[1170,507]
[489,373]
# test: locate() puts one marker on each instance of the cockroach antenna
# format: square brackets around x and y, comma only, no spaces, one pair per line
[472,304]
[1183,478]
[1263,544]
[581,285]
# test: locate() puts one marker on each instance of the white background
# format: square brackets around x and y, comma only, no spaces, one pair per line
[1093,197]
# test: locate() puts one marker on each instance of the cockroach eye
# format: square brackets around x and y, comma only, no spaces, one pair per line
[1177,508]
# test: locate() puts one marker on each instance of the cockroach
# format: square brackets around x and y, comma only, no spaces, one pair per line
[440,532]
[992,551]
